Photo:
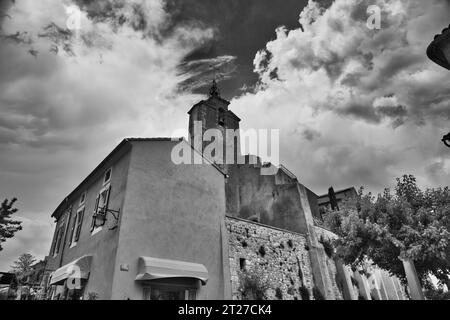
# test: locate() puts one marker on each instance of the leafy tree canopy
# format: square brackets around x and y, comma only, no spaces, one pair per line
[409,223]
[23,265]
[8,227]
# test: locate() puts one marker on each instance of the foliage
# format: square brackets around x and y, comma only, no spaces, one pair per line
[253,284]
[317,294]
[327,246]
[304,292]
[92,296]
[291,291]
[278,294]
[410,223]
[8,227]
[22,266]
[437,294]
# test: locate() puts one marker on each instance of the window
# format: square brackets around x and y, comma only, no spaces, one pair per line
[55,241]
[169,293]
[107,177]
[82,198]
[58,239]
[100,209]
[76,227]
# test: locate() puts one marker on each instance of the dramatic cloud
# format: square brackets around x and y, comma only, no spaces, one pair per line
[202,71]
[356,106]
[68,96]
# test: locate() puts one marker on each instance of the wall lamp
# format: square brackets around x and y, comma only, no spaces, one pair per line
[446,139]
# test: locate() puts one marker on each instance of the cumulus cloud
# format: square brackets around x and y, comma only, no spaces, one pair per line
[379,104]
[355,106]
[68,96]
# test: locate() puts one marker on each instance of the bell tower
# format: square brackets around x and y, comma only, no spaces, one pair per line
[213,113]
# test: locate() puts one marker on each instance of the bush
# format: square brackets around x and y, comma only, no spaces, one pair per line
[279,294]
[437,294]
[328,247]
[290,243]
[253,284]
[304,292]
[92,296]
[354,282]
[317,294]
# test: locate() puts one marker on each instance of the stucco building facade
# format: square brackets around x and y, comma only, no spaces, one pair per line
[145,226]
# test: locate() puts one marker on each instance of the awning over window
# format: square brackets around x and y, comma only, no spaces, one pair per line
[77,269]
[154,268]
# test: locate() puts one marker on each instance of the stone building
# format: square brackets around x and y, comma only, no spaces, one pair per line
[138,222]
[143,226]
[332,199]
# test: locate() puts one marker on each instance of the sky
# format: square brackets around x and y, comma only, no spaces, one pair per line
[355,106]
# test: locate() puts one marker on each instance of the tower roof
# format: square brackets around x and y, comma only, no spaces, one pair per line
[214,93]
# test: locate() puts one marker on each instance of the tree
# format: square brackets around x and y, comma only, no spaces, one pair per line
[22,266]
[437,294]
[8,227]
[410,223]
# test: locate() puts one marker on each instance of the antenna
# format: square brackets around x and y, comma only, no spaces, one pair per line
[214,90]
[214,71]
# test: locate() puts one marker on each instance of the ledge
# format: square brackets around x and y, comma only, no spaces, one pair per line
[265,225]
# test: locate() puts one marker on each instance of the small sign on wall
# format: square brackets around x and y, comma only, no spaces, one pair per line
[124,267]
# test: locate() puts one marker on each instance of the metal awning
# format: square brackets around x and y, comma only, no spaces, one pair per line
[78,269]
[154,268]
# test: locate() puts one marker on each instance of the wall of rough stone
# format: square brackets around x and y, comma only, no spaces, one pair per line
[335,280]
[286,253]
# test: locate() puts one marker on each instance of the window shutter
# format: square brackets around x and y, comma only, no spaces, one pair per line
[96,204]
[58,245]
[107,198]
[55,240]
[95,212]
[79,224]
[72,230]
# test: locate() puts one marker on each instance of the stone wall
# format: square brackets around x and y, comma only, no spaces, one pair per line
[269,199]
[282,257]
[335,278]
